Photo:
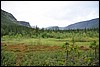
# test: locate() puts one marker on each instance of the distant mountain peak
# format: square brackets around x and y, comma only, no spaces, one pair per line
[53,28]
[93,23]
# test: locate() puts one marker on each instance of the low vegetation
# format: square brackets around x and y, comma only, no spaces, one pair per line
[51,48]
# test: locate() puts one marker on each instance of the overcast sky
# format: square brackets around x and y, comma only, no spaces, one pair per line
[52,13]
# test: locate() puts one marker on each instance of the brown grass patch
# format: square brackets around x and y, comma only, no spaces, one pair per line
[23,47]
[83,48]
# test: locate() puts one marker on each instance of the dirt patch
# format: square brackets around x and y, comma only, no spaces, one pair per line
[26,48]
[43,48]
[23,47]
[17,48]
[3,44]
[83,48]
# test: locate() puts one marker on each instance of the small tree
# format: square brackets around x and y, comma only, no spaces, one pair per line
[37,31]
[66,49]
[73,41]
[94,47]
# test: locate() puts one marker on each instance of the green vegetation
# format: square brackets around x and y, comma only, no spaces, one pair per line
[51,48]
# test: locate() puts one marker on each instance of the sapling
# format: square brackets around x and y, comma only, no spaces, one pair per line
[94,47]
[66,46]
[73,41]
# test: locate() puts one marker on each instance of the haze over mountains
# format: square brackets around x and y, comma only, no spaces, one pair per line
[8,18]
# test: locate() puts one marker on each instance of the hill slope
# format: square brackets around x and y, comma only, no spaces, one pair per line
[10,26]
[94,23]
[8,18]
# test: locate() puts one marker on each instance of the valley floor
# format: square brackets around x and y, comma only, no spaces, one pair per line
[46,52]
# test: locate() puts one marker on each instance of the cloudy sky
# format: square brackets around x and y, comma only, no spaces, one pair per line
[52,13]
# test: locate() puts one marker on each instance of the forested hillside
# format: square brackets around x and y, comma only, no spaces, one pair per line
[10,26]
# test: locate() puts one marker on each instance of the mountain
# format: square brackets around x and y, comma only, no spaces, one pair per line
[24,23]
[89,24]
[10,26]
[94,23]
[7,18]
[52,28]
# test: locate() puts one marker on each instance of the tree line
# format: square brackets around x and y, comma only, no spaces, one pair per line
[14,29]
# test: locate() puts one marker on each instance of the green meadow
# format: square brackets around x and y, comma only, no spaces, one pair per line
[67,49]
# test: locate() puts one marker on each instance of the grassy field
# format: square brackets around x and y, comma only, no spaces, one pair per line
[49,41]
[47,52]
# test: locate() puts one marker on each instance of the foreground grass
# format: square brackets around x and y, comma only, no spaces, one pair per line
[47,58]
[46,52]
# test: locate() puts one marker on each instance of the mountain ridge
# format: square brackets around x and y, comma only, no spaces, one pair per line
[11,19]
[24,23]
[88,24]
[93,23]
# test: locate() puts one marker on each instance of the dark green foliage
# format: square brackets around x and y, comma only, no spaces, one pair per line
[66,43]
[8,58]
[94,46]
[14,29]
